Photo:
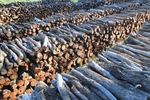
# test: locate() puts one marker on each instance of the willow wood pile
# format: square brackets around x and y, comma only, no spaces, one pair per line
[11,31]
[25,13]
[121,73]
[25,61]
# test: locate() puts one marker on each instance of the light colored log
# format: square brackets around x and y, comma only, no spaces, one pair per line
[78,93]
[144,53]
[62,88]
[101,57]
[123,61]
[89,81]
[101,70]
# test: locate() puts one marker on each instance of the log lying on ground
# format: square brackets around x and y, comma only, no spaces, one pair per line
[101,70]
[134,56]
[122,61]
[84,89]
[134,78]
[90,82]
[144,53]
[138,59]
[112,86]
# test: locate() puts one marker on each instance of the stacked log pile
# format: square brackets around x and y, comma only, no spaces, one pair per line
[11,31]
[25,13]
[121,73]
[25,61]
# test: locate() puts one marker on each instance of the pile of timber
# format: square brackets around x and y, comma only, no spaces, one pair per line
[25,13]
[121,73]
[25,61]
[82,1]
[11,30]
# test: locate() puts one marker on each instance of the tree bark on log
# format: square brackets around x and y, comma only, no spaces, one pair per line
[113,86]
[130,76]
[89,82]
[99,69]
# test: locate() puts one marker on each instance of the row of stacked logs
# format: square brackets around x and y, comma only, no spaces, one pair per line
[25,13]
[26,61]
[121,73]
[11,30]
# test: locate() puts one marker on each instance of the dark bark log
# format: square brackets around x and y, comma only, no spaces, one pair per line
[2,56]
[8,64]
[19,44]
[22,51]
[16,51]
[10,52]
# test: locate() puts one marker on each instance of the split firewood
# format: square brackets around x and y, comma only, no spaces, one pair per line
[58,20]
